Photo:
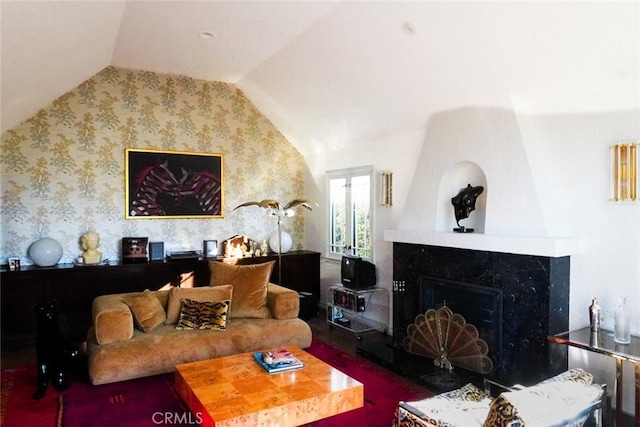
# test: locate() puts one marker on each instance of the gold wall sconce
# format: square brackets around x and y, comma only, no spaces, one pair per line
[624,172]
[386,188]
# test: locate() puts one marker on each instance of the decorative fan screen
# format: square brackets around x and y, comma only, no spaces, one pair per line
[449,340]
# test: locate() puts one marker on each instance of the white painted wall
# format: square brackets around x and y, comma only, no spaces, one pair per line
[397,153]
[573,148]
[542,146]
[566,157]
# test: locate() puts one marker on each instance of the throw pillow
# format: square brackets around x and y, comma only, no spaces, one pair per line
[205,293]
[502,413]
[576,375]
[203,315]
[249,287]
[545,404]
[147,310]
[466,406]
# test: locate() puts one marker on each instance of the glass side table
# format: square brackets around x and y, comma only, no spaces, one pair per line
[602,342]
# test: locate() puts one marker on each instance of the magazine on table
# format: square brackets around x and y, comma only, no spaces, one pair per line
[278,360]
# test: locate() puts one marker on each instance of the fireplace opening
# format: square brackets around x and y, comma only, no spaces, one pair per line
[481,306]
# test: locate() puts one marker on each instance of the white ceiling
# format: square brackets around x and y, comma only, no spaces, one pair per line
[331,73]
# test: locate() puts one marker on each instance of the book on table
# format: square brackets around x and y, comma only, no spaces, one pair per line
[278,360]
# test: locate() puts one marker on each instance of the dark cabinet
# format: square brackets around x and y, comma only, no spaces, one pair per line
[75,287]
[19,293]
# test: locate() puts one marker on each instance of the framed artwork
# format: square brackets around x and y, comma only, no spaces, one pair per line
[210,248]
[173,184]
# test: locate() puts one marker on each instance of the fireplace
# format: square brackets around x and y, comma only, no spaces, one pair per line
[481,306]
[518,300]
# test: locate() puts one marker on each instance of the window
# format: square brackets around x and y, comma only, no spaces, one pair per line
[350,215]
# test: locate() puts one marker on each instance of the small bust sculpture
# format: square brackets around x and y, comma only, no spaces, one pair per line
[464,203]
[90,242]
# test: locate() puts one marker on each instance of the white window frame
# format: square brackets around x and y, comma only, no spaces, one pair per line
[348,174]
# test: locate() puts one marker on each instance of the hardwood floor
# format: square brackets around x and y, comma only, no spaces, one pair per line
[20,357]
[337,337]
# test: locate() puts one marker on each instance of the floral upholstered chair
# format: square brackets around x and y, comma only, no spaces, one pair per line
[568,399]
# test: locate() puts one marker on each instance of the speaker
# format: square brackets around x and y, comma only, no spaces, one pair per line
[156,251]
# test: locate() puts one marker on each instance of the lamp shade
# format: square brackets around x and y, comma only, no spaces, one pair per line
[45,252]
[287,242]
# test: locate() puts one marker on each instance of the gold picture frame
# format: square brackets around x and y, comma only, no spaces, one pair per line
[163,184]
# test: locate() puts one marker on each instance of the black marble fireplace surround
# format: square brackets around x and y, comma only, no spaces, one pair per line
[535,303]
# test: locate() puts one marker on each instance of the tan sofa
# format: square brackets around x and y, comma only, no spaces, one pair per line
[117,350]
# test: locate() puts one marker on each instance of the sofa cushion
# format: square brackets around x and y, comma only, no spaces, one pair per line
[147,310]
[205,293]
[160,351]
[203,315]
[466,406]
[283,303]
[249,287]
[112,319]
[563,398]
[576,375]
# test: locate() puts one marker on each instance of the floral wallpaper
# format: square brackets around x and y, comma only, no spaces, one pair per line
[63,168]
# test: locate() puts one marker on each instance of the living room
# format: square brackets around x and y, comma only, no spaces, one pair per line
[533,94]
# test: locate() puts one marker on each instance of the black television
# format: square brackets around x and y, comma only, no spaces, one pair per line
[357,273]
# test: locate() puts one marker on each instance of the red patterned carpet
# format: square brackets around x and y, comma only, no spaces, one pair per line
[153,401]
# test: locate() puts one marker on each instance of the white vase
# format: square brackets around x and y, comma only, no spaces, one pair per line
[286,244]
[45,252]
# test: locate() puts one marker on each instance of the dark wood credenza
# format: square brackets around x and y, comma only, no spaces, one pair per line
[75,287]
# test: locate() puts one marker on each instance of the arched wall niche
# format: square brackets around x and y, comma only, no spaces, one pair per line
[456,178]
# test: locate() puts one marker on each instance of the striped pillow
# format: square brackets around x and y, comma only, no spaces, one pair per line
[203,315]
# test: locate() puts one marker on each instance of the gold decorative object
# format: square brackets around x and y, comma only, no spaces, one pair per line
[286,211]
[449,340]
[624,172]
[274,209]
[386,189]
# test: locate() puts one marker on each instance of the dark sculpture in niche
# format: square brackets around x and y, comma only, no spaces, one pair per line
[464,203]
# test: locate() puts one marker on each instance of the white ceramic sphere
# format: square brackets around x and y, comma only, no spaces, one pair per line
[45,252]
[287,242]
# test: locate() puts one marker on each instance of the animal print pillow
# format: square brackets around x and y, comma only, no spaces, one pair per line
[465,406]
[204,293]
[556,401]
[203,315]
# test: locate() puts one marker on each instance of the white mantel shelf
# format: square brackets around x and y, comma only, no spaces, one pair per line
[539,246]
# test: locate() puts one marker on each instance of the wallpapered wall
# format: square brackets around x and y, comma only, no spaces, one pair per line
[63,169]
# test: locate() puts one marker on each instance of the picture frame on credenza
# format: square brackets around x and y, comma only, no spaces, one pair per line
[210,249]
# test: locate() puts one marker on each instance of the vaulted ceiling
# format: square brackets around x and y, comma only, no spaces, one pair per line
[331,73]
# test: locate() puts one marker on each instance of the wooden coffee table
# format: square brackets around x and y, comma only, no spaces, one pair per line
[236,391]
